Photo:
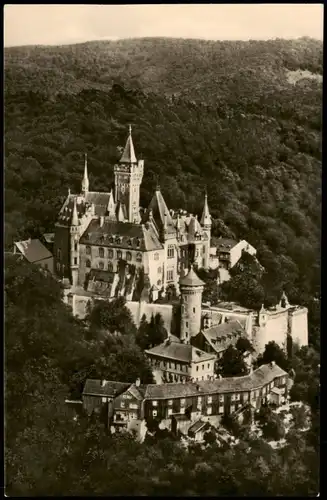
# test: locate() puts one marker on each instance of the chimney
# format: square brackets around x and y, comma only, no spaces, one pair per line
[103,383]
[138,382]
[101,220]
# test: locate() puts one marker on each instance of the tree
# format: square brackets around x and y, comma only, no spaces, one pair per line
[113,316]
[271,353]
[231,364]
[151,334]
[244,345]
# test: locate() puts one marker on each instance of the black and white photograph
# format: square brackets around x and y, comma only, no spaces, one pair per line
[162,249]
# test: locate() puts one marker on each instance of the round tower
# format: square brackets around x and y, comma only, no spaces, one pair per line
[191,288]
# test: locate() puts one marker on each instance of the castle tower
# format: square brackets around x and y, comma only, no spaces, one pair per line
[74,246]
[85,181]
[191,288]
[128,178]
[206,223]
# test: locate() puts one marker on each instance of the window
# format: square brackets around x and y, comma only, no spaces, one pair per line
[203,262]
[133,406]
[193,309]
[133,415]
[101,265]
[186,324]
[202,367]
[139,257]
[182,410]
[104,400]
[209,400]
[75,247]
[204,249]
[46,267]
[233,397]
[159,282]
[154,403]
[220,409]
[170,411]
[75,261]
[101,252]
[110,266]
[199,404]
[232,408]
[170,275]
[119,254]
[128,256]
[122,404]
[170,252]
[110,253]
[159,270]
[88,263]
[209,410]
[197,368]
[208,365]
[156,256]
[237,397]
[245,396]
[183,402]
[154,413]
[170,402]
[221,398]
[58,267]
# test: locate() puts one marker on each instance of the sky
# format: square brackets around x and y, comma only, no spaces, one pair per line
[63,24]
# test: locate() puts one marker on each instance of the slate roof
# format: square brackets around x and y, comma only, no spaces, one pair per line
[159,209]
[180,352]
[100,201]
[261,376]
[225,244]
[33,250]
[197,426]
[93,388]
[217,336]
[191,279]
[132,236]
[128,155]
[49,237]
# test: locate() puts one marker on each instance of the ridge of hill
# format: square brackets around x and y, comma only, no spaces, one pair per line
[217,114]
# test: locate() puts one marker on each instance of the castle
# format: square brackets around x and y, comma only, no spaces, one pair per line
[106,240]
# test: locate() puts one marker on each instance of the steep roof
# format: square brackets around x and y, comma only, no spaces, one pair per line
[121,235]
[197,426]
[33,250]
[206,217]
[93,387]
[128,155]
[217,336]
[159,209]
[179,352]
[191,279]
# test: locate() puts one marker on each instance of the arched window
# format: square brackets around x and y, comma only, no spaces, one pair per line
[139,257]
[88,250]
[110,253]
[110,267]
[156,256]
[170,253]
[101,265]
[88,263]
[128,256]
[101,252]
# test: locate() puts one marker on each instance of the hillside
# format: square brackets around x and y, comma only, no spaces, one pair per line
[219,114]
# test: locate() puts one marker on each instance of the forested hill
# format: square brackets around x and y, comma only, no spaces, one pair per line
[233,116]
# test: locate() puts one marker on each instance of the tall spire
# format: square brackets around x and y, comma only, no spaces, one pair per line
[75,216]
[128,155]
[85,181]
[206,217]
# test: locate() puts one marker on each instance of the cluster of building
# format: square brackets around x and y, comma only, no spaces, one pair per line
[184,407]
[105,246]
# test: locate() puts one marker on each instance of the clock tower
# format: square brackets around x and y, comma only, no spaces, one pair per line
[128,178]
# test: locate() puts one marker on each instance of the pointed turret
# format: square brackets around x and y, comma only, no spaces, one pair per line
[85,181]
[75,215]
[206,217]
[128,155]
[111,205]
